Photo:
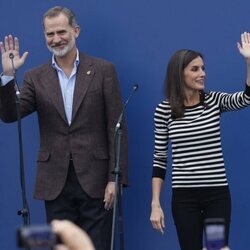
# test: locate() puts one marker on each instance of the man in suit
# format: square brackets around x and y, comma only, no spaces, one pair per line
[78,102]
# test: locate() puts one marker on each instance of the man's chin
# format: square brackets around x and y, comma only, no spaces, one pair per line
[59,53]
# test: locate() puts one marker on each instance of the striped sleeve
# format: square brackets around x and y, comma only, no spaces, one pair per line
[235,101]
[161,117]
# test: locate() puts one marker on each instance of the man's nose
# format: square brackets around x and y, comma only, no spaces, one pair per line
[56,38]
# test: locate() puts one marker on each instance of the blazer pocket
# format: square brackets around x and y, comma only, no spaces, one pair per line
[43,156]
[101,155]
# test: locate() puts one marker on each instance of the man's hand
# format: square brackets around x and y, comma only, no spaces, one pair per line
[109,195]
[11,45]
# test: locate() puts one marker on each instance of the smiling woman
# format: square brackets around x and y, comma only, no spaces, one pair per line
[190,119]
[194,76]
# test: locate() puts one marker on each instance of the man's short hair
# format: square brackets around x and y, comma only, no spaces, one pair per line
[57,10]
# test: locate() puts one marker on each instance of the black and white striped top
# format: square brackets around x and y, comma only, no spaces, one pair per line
[197,158]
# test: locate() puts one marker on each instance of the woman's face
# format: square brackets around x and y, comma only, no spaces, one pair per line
[194,75]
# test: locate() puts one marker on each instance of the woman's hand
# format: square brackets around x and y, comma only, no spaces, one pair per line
[157,217]
[244,46]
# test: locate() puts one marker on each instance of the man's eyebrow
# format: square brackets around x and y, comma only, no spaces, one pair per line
[53,32]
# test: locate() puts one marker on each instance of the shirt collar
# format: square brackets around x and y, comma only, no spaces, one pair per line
[55,65]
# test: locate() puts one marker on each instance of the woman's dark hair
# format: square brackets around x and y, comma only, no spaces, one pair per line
[174,81]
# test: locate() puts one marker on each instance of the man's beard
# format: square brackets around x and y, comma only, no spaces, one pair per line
[62,52]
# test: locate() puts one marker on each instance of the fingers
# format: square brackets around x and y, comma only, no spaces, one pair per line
[244,45]
[73,237]
[109,201]
[109,196]
[163,222]
[2,47]
[16,42]
[158,225]
[60,247]
[6,43]
[108,204]
[245,38]
[157,219]
[24,56]
[9,44]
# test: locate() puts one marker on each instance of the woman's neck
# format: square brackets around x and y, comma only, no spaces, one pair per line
[192,98]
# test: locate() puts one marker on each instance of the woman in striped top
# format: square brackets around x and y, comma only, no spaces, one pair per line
[190,119]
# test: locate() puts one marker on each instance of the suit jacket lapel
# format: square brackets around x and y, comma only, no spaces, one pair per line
[53,89]
[85,74]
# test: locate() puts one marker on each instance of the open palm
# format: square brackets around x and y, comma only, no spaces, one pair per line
[244,46]
[7,47]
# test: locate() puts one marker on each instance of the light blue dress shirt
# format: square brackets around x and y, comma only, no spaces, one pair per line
[67,86]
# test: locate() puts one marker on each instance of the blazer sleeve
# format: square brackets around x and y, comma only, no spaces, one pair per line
[113,109]
[8,108]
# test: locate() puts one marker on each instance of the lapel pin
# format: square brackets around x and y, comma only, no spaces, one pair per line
[88,72]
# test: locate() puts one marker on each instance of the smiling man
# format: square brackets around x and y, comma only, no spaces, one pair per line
[78,102]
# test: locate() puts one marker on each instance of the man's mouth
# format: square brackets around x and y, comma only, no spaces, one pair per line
[58,46]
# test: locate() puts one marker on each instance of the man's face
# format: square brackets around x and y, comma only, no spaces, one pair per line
[60,36]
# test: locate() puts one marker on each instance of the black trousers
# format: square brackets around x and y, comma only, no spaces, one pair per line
[191,206]
[75,205]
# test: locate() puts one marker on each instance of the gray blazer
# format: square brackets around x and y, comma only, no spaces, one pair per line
[90,137]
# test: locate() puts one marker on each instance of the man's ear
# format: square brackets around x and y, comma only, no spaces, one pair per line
[77,31]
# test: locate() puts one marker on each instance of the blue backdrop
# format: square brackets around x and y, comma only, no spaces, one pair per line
[138,36]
